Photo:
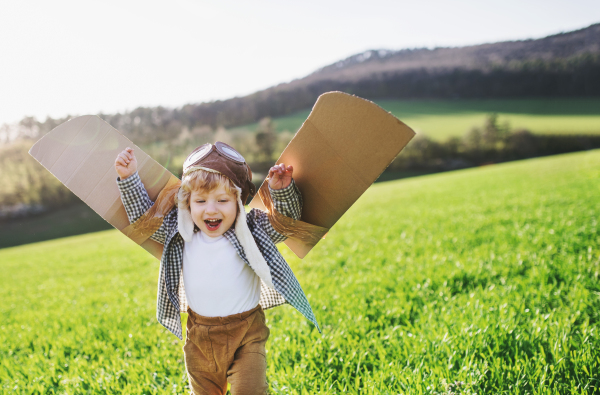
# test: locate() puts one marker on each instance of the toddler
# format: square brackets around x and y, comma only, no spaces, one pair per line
[220,265]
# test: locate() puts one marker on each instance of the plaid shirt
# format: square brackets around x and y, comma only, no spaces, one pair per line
[171,294]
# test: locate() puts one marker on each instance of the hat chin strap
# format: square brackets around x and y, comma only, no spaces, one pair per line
[257,262]
[255,258]
[185,223]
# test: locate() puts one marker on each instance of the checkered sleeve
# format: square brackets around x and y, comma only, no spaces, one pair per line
[137,202]
[287,201]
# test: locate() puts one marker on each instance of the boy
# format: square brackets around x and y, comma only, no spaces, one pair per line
[222,263]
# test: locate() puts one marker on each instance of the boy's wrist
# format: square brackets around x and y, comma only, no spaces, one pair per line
[124,177]
[284,193]
[129,182]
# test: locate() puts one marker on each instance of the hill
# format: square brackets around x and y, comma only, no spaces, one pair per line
[483,57]
[480,281]
[561,65]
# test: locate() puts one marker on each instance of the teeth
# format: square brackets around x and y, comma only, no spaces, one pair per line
[213,220]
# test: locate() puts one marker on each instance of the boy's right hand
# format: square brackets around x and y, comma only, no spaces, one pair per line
[125,164]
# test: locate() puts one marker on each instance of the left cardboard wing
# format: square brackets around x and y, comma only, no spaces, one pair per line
[81,154]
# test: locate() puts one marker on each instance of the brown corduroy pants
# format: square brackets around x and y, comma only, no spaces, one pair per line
[227,349]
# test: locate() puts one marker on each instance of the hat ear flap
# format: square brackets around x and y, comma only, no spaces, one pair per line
[185,223]
[251,188]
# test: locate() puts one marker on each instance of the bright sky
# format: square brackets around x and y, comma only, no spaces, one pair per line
[82,57]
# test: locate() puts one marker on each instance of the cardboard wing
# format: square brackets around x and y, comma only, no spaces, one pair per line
[341,149]
[81,154]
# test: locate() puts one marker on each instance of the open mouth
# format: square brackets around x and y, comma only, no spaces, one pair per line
[213,224]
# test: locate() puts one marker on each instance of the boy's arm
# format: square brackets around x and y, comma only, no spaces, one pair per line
[137,202]
[286,199]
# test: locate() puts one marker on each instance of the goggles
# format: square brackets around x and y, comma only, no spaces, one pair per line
[219,147]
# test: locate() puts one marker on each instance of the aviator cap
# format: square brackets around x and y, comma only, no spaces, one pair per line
[223,159]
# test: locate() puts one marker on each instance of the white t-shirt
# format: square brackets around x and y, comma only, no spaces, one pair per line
[217,281]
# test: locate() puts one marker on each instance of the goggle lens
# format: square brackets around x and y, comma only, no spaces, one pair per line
[229,152]
[198,155]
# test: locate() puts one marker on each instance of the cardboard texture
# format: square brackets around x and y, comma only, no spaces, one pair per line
[341,149]
[81,154]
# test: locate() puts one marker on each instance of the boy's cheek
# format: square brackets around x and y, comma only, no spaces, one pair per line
[233,223]
[195,217]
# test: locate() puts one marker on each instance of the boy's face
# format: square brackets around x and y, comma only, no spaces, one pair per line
[213,212]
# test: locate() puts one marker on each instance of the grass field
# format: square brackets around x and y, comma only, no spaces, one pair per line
[439,119]
[482,281]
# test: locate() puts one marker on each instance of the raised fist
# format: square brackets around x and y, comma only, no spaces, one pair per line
[125,164]
[280,176]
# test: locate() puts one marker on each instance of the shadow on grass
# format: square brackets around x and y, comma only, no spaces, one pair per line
[69,221]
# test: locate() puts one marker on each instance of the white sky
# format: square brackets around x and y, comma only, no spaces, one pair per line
[82,57]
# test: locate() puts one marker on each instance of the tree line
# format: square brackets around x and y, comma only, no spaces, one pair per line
[29,189]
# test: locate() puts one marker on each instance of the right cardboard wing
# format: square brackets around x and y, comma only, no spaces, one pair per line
[341,149]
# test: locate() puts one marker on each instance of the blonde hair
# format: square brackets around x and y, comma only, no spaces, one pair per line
[202,180]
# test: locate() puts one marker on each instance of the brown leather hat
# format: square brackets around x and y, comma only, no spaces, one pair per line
[224,159]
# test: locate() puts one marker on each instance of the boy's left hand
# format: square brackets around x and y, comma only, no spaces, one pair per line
[280,176]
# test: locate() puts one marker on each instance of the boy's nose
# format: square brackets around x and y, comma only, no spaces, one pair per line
[211,208]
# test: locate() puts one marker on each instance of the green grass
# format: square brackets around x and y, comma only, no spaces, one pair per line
[440,119]
[476,281]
